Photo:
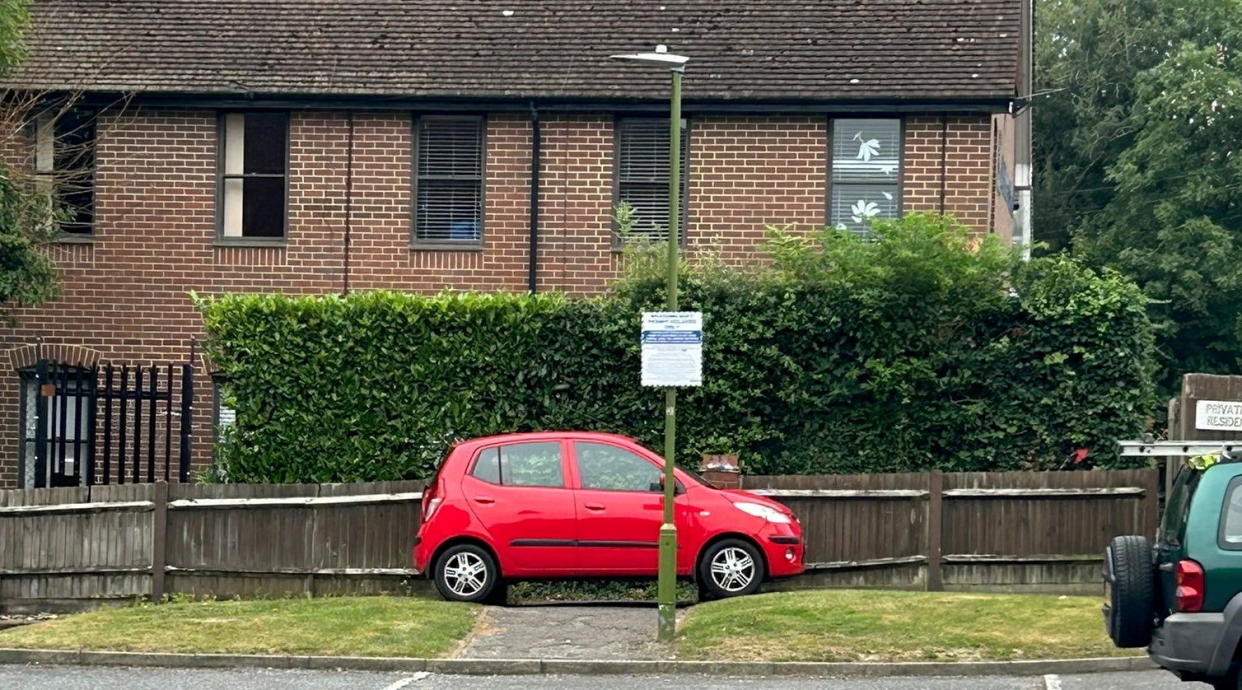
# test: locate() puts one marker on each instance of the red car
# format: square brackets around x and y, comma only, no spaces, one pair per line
[581,504]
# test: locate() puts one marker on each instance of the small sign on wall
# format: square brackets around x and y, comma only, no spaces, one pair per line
[1218,415]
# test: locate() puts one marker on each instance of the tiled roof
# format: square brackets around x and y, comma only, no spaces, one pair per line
[741,50]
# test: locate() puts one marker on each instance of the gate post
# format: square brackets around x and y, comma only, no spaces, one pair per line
[41,439]
[187,409]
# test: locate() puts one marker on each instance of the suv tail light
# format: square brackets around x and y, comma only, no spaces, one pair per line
[1190,586]
[431,500]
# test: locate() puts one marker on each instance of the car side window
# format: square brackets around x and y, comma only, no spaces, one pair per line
[601,466]
[1231,517]
[487,466]
[531,464]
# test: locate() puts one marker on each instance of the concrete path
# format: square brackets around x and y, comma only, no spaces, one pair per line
[566,632]
[92,678]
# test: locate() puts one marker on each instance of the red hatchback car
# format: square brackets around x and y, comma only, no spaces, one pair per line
[580,504]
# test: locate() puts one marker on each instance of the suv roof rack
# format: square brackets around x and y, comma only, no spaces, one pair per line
[1188,449]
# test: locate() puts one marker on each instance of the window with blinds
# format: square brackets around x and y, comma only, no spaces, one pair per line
[253,175]
[448,180]
[642,173]
[65,159]
[866,172]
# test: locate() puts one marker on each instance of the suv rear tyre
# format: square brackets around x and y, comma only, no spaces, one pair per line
[730,568]
[1130,580]
[467,572]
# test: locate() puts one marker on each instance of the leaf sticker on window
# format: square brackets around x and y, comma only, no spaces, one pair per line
[888,195]
[864,209]
[867,148]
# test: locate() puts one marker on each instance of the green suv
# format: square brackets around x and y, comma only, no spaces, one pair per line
[1182,599]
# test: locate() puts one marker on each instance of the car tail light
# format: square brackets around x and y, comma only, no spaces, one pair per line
[1190,586]
[431,500]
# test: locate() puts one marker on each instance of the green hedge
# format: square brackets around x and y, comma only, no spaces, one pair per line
[919,350]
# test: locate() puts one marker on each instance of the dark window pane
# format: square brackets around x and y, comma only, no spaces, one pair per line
[643,174]
[265,143]
[450,147]
[866,150]
[601,466]
[854,206]
[531,464]
[448,210]
[74,165]
[263,207]
[487,467]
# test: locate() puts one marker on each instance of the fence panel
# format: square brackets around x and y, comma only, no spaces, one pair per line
[997,531]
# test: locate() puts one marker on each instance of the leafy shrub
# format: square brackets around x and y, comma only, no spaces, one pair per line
[923,348]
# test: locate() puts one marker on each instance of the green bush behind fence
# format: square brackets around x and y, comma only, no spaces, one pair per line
[922,349]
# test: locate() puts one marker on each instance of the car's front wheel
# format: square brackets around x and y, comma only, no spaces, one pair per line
[730,568]
[467,572]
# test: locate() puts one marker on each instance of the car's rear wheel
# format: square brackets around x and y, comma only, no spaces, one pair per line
[730,568]
[467,572]
[1129,576]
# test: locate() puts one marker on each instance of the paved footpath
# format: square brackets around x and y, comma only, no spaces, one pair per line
[91,678]
[566,632]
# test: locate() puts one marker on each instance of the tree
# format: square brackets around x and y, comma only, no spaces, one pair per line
[1174,222]
[27,214]
[1088,55]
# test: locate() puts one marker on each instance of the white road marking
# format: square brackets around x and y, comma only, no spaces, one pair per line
[397,685]
[1052,682]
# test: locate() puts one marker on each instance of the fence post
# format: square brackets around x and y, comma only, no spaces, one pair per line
[935,513]
[159,541]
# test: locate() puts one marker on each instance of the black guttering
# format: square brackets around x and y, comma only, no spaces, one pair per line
[998,104]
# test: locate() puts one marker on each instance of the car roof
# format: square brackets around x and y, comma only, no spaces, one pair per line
[544,436]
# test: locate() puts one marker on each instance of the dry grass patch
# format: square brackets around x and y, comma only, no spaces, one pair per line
[856,625]
[334,626]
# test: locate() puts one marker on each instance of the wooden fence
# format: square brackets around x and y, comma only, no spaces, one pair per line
[69,547]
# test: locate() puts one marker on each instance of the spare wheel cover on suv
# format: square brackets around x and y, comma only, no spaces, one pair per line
[1130,579]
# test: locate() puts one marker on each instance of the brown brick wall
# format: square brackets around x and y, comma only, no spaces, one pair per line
[126,293]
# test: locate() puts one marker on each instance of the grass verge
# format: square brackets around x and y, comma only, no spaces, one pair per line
[335,626]
[858,625]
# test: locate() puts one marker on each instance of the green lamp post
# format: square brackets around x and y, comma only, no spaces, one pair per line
[667,588]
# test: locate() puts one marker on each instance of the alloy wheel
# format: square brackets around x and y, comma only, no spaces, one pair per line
[732,569]
[465,574]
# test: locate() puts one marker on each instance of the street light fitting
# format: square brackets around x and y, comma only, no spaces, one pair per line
[660,57]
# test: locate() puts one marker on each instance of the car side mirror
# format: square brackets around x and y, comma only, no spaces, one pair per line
[658,487]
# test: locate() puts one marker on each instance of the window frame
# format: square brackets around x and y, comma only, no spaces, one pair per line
[829,185]
[1234,485]
[578,468]
[45,125]
[415,143]
[221,153]
[619,122]
[566,481]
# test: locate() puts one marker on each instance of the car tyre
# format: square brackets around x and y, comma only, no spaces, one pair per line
[467,572]
[730,568]
[1129,608]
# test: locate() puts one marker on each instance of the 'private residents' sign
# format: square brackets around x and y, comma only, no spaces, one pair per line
[1218,415]
[672,348]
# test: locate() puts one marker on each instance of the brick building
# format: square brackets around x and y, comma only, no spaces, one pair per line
[316,147]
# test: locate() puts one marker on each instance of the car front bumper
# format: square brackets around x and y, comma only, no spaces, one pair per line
[1185,642]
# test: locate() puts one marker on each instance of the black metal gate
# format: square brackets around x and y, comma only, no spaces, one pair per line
[107,424]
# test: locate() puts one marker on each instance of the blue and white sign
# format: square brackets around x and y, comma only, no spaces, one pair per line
[672,348]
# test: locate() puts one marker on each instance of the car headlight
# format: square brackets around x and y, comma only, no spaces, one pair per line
[762,511]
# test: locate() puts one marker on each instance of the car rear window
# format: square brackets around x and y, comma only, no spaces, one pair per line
[521,464]
[1231,517]
[1177,509]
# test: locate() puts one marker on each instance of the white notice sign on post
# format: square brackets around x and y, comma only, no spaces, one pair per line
[1218,415]
[672,348]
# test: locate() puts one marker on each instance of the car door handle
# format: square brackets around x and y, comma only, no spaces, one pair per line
[593,506]
[484,499]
